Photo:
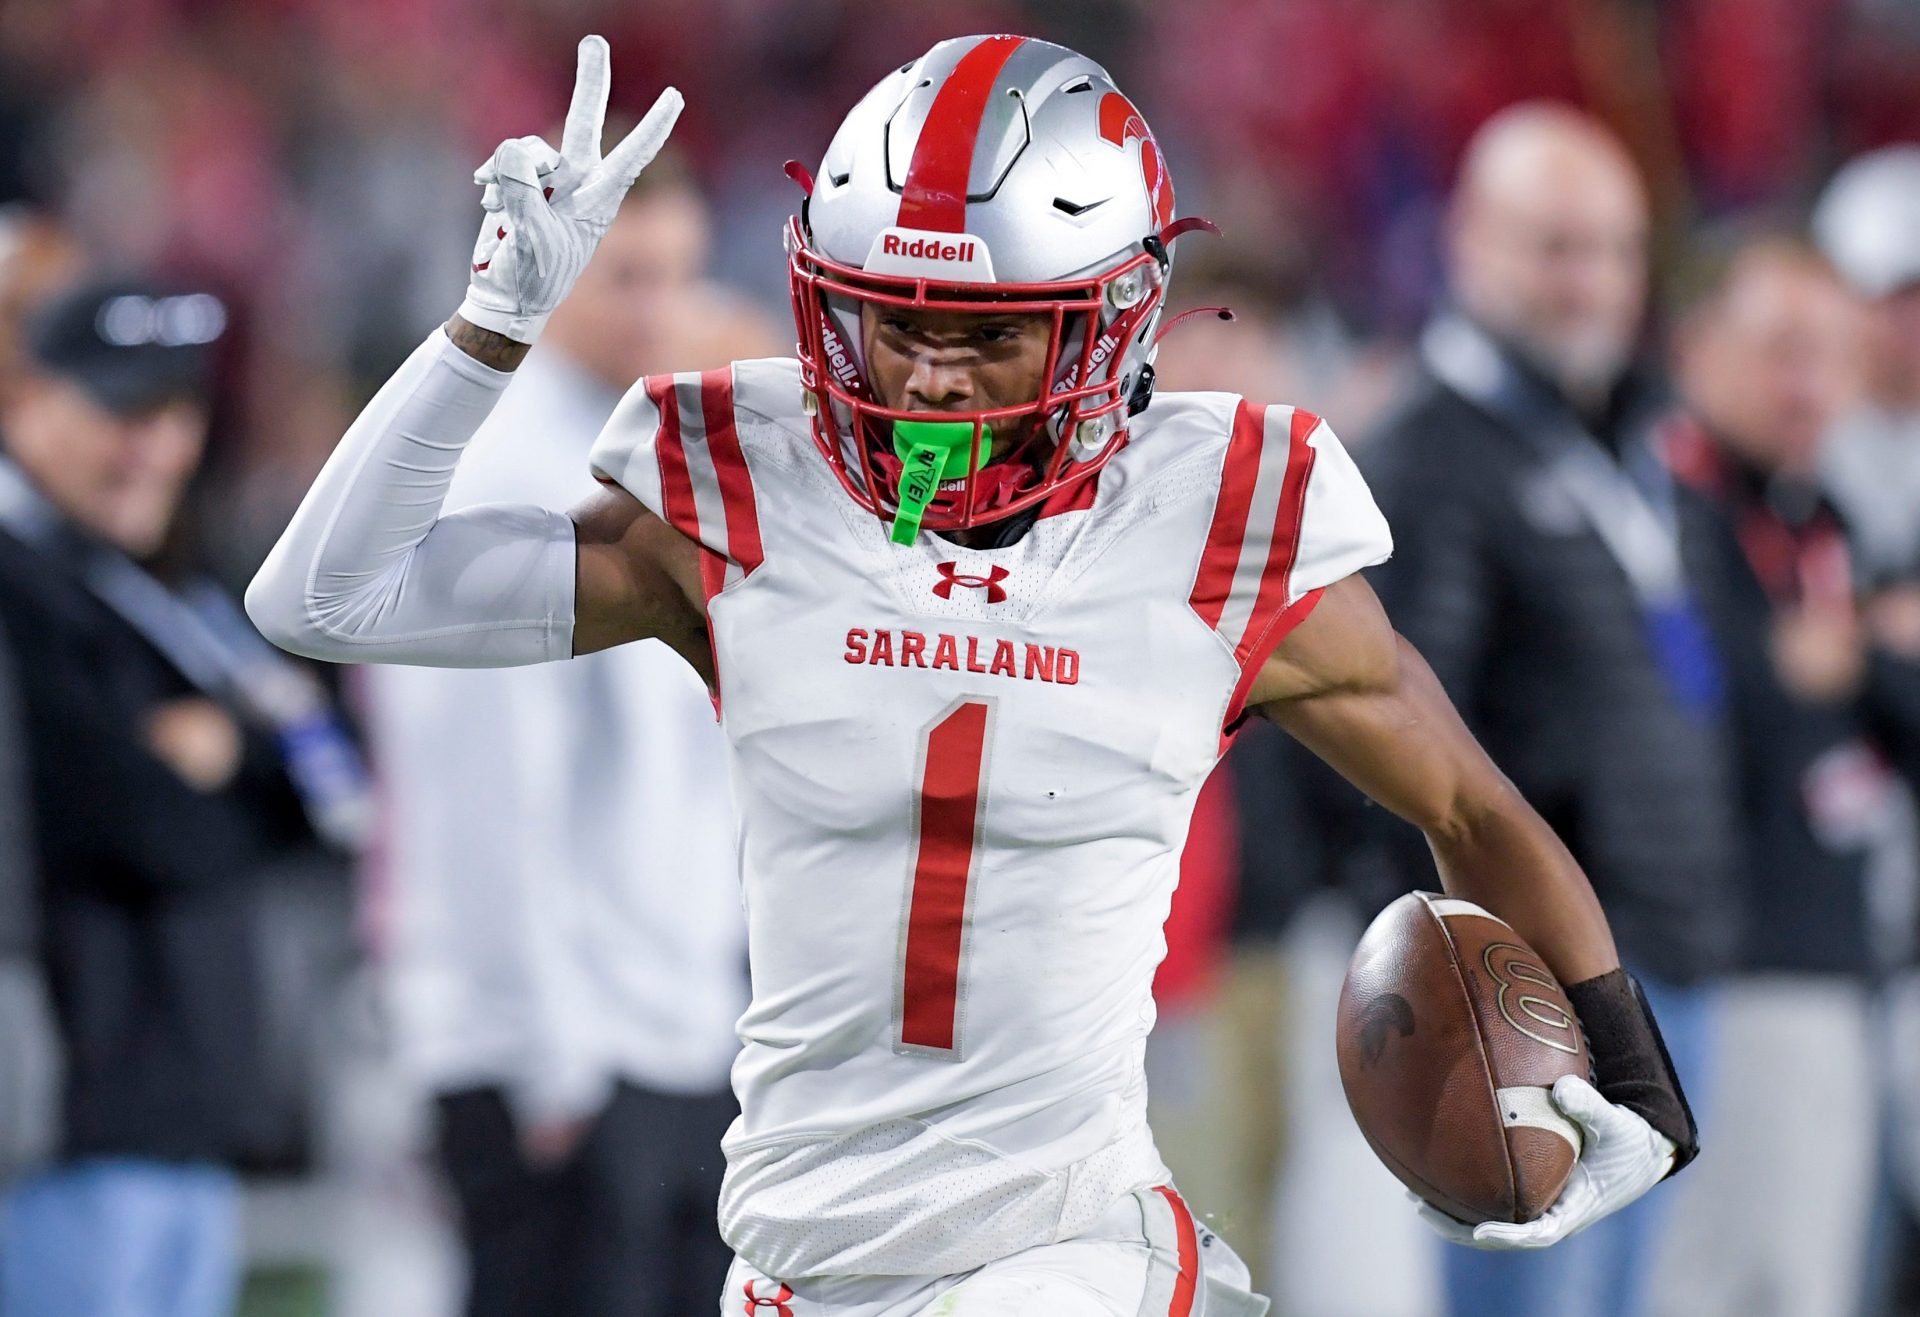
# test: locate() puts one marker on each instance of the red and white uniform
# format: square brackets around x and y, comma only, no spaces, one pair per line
[964,778]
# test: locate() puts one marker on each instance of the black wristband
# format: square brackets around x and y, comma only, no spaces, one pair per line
[1631,1067]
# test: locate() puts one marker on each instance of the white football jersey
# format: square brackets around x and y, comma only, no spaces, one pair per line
[964,779]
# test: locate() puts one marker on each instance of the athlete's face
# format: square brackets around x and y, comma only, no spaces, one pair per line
[952,361]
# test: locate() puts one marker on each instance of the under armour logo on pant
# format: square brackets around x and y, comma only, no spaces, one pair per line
[758,1302]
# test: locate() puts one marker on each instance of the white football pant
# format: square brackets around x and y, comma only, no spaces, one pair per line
[1146,1257]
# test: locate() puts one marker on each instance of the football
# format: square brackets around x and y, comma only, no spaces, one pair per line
[1451,1034]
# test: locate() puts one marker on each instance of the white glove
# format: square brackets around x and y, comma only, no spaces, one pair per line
[547,209]
[1623,1157]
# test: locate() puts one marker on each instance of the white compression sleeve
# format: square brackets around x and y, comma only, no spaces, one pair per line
[370,572]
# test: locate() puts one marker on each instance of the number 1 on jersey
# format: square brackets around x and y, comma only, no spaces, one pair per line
[948,804]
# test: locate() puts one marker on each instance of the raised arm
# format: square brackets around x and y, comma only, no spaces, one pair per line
[369,571]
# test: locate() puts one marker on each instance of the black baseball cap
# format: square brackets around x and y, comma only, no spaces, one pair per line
[131,344]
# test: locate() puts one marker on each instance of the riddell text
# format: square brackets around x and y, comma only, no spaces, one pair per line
[927,249]
[910,649]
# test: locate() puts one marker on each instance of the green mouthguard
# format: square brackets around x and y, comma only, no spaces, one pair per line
[929,452]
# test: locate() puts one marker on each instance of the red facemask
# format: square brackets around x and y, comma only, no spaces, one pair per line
[1064,437]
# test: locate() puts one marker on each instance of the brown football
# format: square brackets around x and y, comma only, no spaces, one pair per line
[1451,1034]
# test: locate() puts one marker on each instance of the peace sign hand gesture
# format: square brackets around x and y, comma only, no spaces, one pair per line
[547,210]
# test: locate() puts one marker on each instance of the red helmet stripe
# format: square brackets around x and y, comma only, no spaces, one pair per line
[935,194]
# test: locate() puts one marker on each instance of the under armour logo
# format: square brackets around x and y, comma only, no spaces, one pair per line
[950,576]
[776,1301]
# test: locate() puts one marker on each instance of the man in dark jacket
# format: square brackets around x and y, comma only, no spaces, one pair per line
[153,803]
[1564,592]
[1768,361]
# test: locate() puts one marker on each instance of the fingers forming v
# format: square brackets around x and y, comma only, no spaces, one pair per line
[624,163]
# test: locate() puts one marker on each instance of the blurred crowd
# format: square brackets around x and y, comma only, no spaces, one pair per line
[387,971]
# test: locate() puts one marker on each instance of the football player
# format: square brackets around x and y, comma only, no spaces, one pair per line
[981,609]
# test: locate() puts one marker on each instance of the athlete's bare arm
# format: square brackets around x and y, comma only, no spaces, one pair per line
[635,577]
[494,351]
[1356,694]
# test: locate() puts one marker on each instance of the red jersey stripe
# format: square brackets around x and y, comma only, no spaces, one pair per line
[1285,544]
[1277,630]
[1214,581]
[1188,1245]
[713,574]
[676,484]
[713,577]
[934,195]
[730,467]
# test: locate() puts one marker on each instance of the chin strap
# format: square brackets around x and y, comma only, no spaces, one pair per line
[1631,1067]
[1156,244]
[1186,224]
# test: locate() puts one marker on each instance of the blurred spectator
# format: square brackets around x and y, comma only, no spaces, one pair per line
[1868,222]
[29,1080]
[568,949]
[169,754]
[1562,592]
[37,257]
[1768,359]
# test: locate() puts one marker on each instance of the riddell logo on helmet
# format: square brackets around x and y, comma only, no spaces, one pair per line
[926,249]
[920,254]
[839,360]
[1101,351]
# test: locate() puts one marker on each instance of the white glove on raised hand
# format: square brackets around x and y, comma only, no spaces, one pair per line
[1621,1159]
[547,210]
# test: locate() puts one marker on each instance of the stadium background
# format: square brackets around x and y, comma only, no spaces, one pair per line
[309,159]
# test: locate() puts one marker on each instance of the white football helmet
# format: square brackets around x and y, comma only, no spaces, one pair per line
[993,169]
